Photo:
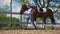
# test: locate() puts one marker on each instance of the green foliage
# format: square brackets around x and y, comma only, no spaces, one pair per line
[9,26]
[4,18]
[23,26]
[49,27]
[15,26]
[39,20]
[25,2]
[4,26]
[49,0]
[2,10]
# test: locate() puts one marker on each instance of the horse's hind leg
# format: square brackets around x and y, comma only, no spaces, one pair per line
[52,20]
[35,22]
[44,23]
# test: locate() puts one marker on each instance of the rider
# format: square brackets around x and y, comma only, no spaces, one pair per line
[39,5]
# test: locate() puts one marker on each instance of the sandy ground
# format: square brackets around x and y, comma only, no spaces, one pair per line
[29,31]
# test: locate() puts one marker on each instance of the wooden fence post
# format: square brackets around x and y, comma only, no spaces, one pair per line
[21,21]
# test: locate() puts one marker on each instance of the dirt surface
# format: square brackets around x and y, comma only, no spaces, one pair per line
[29,31]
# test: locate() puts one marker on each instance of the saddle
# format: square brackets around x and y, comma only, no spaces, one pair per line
[41,10]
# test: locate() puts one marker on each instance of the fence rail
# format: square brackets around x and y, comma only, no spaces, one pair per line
[9,13]
[24,23]
[20,19]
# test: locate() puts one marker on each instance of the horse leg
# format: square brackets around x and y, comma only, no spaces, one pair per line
[53,21]
[35,21]
[44,23]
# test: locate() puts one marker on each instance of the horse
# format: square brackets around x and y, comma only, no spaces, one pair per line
[38,14]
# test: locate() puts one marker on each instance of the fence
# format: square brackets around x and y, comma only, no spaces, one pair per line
[20,19]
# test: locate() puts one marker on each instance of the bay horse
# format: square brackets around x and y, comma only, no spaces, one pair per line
[37,14]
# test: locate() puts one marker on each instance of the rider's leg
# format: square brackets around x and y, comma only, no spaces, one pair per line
[31,17]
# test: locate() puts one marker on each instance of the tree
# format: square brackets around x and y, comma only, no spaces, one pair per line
[25,1]
[48,2]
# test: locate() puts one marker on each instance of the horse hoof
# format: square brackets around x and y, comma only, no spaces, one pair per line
[25,28]
[42,28]
[52,28]
[35,28]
